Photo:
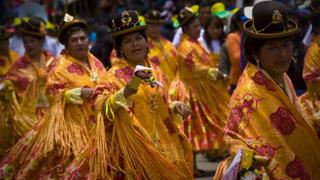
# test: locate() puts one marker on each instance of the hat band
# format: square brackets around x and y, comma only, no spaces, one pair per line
[266,27]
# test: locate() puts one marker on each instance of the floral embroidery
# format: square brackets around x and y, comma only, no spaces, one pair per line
[74,68]
[313,77]
[189,62]
[266,150]
[124,73]
[260,79]
[235,118]
[247,104]
[155,60]
[22,63]
[205,58]
[295,169]
[54,88]
[282,121]
[22,83]
[99,65]
[2,62]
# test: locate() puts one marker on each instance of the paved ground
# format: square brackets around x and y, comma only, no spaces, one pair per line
[209,167]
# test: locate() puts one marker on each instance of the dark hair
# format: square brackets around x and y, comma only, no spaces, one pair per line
[118,41]
[237,17]
[72,30]
[217,22]
[188,22]
[252,46]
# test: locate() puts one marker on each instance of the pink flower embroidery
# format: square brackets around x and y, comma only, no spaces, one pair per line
[22,83]
[313,77]
[22,63]
[295,169]
[282,121]
[155,60]
[54,88]
[75,68]
[205,58]
[266,150]
[260,79]
[124,73]
[99,65]
[2,62]
[235,118]
[189,62]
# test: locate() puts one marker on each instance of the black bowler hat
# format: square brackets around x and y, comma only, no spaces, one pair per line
[126,22]
[185,15]
[153,17]
[34,26]
[269,21]
[68,22]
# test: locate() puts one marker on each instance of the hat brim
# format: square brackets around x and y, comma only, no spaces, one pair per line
[31,33]
[151,21]
[65,27]
[6,36]
[222,14]
[187,20]
[129,30]
[293,29]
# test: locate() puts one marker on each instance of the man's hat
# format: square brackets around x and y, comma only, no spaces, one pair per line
[34,27]
[67,23]
[153,17]
[126,22]
[270,20]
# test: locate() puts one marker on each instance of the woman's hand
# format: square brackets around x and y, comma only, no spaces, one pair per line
[182,109]
[132,87]
[86,92]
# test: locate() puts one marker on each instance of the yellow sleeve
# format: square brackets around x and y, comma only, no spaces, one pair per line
[114,102]
[73,96]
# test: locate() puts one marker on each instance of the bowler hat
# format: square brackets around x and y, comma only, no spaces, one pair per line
[270,20]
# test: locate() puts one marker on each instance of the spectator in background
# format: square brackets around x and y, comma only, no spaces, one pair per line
[51,44]
[103,46]
[233,46]
[310,101]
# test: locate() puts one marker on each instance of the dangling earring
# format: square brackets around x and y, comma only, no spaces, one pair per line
[294,60]
[257,62]
[121,55]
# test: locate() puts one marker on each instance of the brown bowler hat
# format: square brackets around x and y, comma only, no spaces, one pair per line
[126,22]
[153,17]
[34,27]
[67,23]
[269,21]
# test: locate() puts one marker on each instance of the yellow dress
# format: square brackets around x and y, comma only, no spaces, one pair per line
[265,121]
[138,137]
[26,101]
[64,131]
[163,59]
[309,102]
[207,97]
[7,135]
